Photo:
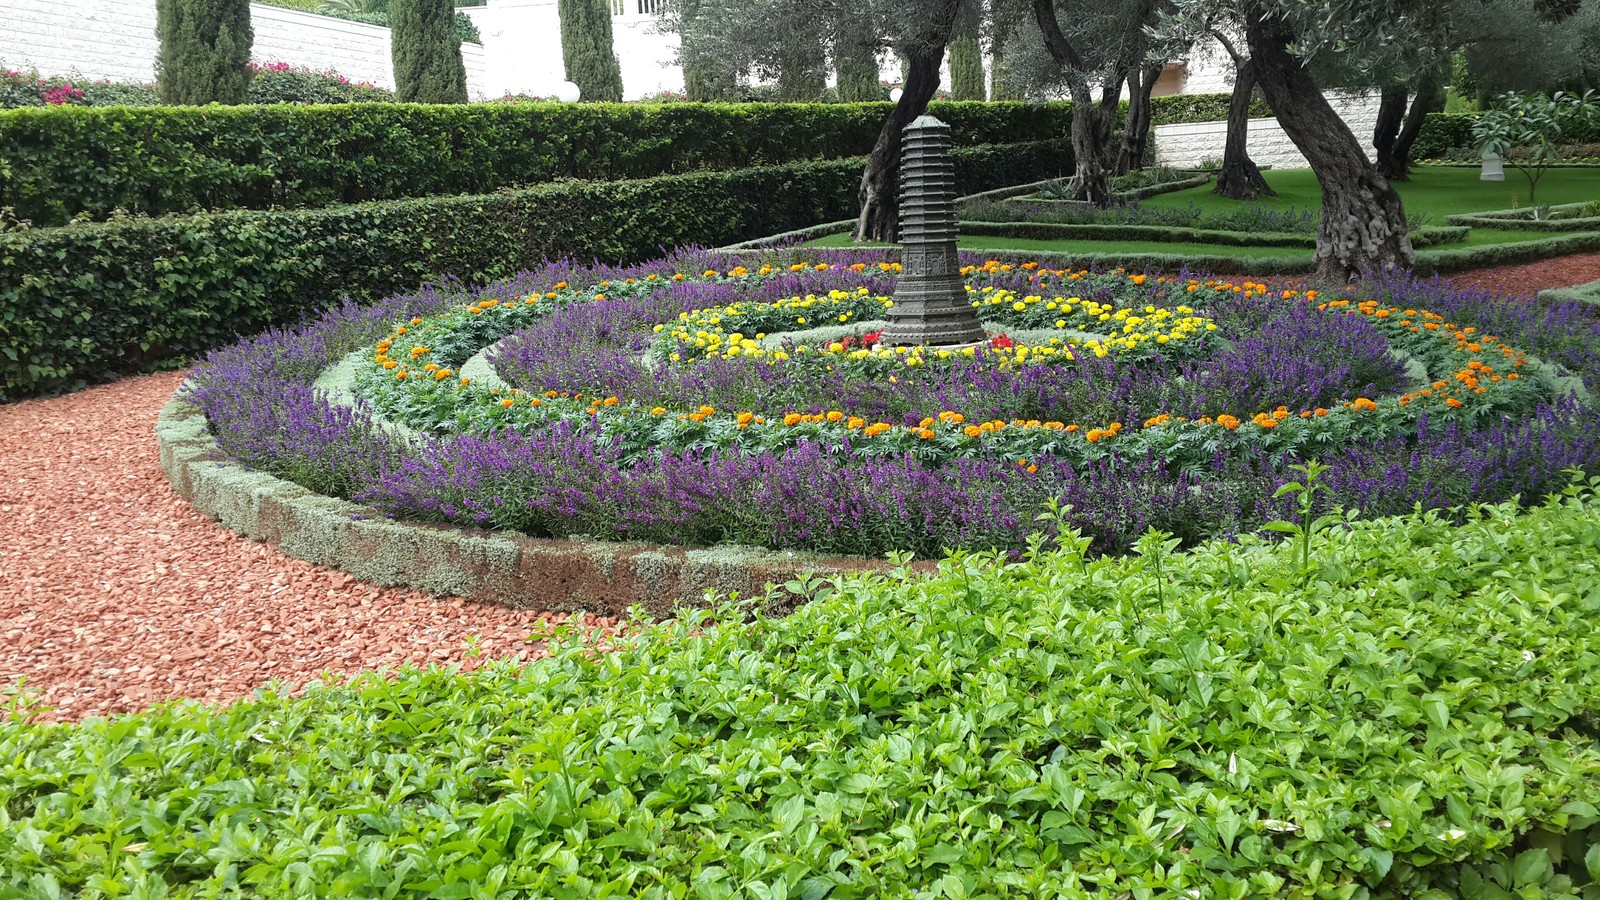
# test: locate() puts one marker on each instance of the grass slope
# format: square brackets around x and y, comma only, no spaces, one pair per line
[1415,716]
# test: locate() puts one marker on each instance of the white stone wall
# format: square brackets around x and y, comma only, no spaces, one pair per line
[116,40]
[1191,144]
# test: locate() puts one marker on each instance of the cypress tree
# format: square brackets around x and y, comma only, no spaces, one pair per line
[857,66]
[426,52]
[587,50]
[205,50]
[966,56]
[802,69]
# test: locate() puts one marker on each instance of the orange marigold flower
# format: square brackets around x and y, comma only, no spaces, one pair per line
[1453,403]
[659,411]
[972,431]
[1094,435]
[792,419]
[925,433]
[508,403]
[1228,422]
[834,415]
[745,418]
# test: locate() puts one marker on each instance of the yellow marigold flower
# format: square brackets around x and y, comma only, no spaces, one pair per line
[611,401]
[972,431]
[707,410]
[925,433]
[1094,435]
[855,422]
[834,415]
[659,411]
[745,418]
[441,375]
[792,419]
[1227,421]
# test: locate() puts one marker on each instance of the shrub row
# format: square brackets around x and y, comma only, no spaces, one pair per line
[160,160]
[64,162]
[1408,713]
[87,301]
[1444,132]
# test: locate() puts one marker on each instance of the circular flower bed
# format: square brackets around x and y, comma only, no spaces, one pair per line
[680,402]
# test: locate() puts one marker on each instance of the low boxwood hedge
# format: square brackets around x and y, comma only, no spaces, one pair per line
[88,301]
[1410,711]
[1566,217]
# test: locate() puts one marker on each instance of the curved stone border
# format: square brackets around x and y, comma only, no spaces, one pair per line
[601,577]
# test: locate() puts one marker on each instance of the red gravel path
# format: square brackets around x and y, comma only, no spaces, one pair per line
[115,593]
[1563,271]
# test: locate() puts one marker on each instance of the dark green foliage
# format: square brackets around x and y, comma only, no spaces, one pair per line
[802,70]
[85,302]
[426,52]
[157,161]
[966,56]
[587,51]
[205,50]
[1444,132]
[856,66]
[1415,722]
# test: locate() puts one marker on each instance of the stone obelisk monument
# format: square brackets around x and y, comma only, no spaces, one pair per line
[930,303]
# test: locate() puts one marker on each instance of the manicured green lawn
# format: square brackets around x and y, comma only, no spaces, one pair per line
[1435,191]
[1480,237]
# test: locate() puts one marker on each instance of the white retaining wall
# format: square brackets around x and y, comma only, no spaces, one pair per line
[116,40]
[1191,144]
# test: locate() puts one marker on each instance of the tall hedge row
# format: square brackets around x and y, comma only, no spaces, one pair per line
[87,301]
[1444,132]
[68,161]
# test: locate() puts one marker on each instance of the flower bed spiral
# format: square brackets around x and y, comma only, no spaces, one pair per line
[684,402]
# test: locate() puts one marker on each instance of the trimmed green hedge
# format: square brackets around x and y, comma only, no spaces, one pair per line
[69,161]
[1443,132]
[1412,716]
[1522,219]
[88,301]
[1578,293]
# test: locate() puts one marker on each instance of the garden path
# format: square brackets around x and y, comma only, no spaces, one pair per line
[115,594]
[1579,268]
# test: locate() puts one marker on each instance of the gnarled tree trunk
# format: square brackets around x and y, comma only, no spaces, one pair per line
[1363,221]
[1240,178]
[1430,97]
[1092,128]
[1136,132]
[1386,131]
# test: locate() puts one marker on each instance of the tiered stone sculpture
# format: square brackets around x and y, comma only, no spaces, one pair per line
[930,304]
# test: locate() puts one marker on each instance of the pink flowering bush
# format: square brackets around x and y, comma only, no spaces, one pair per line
[28,88]
[281,82]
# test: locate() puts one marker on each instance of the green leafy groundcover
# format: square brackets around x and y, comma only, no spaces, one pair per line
[1410,714]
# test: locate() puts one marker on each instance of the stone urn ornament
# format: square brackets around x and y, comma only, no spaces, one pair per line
[1493,167]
